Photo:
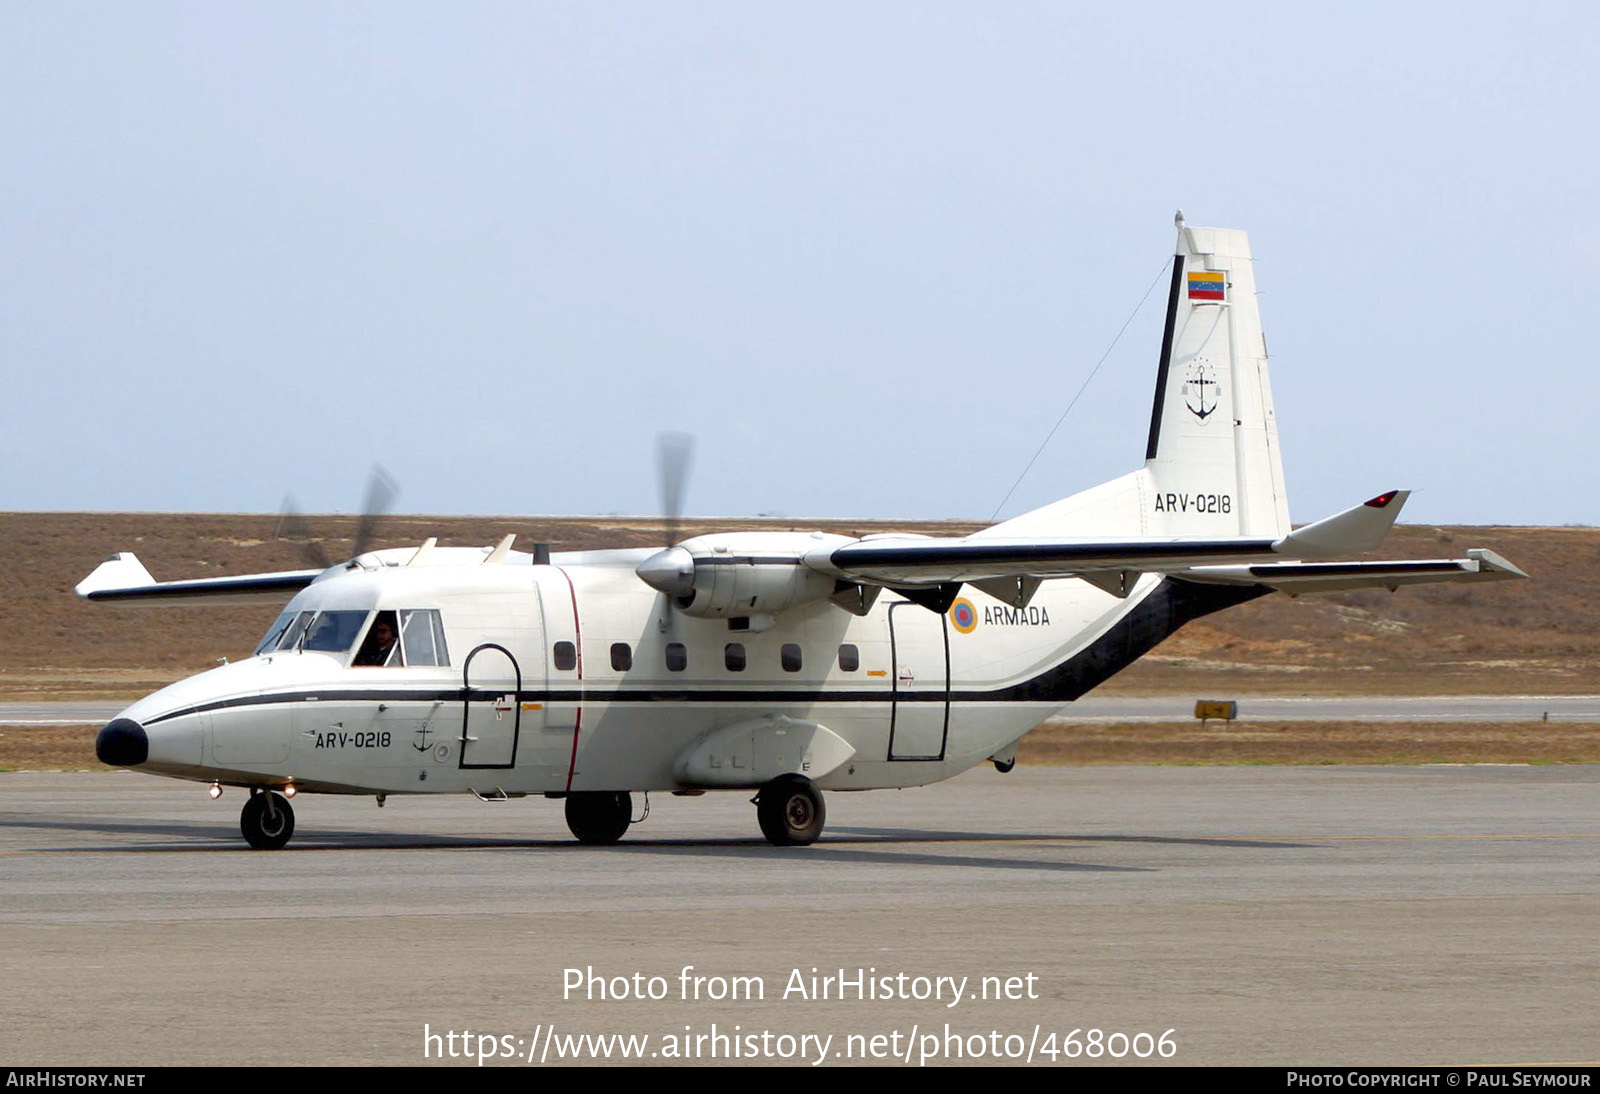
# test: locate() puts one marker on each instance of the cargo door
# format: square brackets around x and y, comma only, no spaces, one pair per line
[920,649]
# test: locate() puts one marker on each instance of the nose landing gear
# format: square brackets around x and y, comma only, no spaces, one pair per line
[267,821]
[791,811]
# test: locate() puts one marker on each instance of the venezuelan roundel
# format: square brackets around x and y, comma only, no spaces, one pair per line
[964,615]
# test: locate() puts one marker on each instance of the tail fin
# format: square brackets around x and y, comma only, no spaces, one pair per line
[1213,445]
[1212,465]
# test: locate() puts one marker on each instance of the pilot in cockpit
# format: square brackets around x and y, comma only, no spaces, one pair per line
[380,643]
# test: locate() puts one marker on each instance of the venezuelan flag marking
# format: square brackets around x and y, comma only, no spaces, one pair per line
[1207,285]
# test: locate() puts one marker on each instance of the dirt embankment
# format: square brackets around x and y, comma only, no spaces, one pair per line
[1521,637]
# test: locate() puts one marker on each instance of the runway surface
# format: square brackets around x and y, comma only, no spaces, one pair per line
[1269,915]
[1094,709]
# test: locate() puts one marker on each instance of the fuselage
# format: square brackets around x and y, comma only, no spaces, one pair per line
[574,676]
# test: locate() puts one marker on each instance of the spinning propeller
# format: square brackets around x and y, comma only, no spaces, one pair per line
[293,526]
[671,570]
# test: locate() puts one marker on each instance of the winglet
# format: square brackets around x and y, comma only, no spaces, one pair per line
[122,570]
[1359,528]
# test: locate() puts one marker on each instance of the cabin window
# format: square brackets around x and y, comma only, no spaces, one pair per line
[621,656]
[733,656]
[382,645]
[790,655]
[677,657]
[334,632]
[422,635]
[566,655]
[849,658]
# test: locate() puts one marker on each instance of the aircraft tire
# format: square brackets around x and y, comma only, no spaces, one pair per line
[791,811]
[267,821]
[599,816]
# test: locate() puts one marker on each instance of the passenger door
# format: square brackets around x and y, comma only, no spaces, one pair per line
[491,718]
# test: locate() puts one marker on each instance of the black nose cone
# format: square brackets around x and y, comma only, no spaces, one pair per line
[122,744]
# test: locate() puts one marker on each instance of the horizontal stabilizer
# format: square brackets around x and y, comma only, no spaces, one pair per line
[1330,577]
[122,579]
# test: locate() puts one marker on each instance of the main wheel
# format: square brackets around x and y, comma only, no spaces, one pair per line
[267,821]
[791,811]
[599,816]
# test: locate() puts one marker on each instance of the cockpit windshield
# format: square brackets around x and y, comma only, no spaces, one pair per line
[274,633]
[297,628]
[326,632]
[334,632]
[411,636]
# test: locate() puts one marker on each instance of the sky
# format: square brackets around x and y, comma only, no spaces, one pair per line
[865,252]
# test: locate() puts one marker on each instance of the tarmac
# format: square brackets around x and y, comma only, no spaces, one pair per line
[1262,915]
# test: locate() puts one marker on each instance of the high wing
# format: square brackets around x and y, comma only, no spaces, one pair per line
[123,579]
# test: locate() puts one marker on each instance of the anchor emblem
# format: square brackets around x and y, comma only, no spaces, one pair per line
[1201,389]
[422,743]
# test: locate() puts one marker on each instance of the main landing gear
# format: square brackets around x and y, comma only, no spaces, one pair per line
[791,811]
[267,821]
[599,816]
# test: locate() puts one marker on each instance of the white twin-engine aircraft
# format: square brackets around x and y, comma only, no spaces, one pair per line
[788,663]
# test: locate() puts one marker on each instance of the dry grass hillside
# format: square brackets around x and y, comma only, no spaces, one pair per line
[1527,637]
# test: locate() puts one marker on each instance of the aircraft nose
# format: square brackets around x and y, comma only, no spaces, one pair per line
[122,743]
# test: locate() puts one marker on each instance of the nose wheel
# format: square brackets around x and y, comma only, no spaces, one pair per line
[791,811]
[266,820]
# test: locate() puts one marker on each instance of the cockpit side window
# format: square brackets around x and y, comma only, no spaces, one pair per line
[334,632]
[422,634]
[274,632]
[382,646]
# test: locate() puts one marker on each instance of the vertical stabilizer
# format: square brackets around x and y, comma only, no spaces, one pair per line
[1211,459]
[1212,465]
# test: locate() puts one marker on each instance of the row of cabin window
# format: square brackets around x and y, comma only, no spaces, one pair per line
[733,657]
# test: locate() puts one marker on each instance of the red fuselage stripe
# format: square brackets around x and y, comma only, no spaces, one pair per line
[577,721]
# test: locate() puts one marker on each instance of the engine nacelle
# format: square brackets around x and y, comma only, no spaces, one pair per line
[741,573]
